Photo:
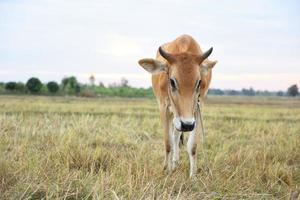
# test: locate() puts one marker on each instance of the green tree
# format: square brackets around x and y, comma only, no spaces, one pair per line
[11,86]
[20,87]
[2,87]
[52,87]
[248,92]
[70,85]
[64,82]
[293,90]
[34,85]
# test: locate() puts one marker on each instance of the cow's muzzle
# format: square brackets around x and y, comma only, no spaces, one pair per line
[184,125]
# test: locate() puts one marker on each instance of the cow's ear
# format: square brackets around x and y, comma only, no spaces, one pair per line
[153,66]
[206,66]
[210,64]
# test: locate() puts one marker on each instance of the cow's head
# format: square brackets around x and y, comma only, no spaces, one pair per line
[186,76]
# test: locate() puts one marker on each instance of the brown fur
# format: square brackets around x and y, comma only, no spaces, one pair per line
[187,67]
[182,46]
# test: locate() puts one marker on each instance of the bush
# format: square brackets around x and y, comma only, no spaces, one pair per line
[126,91]
[34,85]
[280,93]
[87,93]
[52,87]
[11,86]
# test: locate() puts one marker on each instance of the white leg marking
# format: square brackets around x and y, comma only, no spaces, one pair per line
[176,150]
[191,149]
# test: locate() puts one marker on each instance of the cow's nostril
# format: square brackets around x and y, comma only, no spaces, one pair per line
[187,126]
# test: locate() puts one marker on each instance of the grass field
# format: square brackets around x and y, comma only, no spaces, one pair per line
[78,148]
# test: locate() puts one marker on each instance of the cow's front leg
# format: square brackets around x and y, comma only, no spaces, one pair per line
[176,139]
[167,125]
[191,149]
[168,151]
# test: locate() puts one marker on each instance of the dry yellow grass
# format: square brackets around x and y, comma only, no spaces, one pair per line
[76,148]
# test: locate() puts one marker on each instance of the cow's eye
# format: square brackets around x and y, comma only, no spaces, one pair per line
[198,83]
[173,83]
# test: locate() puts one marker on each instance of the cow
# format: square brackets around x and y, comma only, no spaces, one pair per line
[181,74]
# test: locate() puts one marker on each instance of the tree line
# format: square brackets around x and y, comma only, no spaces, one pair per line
[293,91]
[71,86]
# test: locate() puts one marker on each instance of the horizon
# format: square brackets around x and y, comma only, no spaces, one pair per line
[255,42]
[118,82]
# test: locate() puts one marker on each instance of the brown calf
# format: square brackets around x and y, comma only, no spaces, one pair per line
[181,74]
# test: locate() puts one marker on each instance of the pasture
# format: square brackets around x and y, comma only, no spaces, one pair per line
[112,148]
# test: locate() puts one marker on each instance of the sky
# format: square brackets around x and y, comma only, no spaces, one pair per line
[256,42]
